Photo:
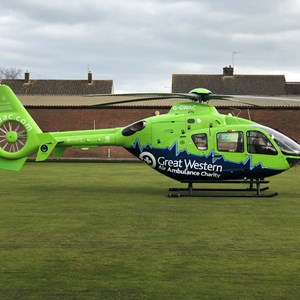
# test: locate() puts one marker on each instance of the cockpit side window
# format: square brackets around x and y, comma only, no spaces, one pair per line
[258,143]
[133,128]
[200,140]
[286,145]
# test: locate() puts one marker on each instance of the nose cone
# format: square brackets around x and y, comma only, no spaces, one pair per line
[293,161]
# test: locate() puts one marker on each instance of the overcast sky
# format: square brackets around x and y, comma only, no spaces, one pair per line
[139,44]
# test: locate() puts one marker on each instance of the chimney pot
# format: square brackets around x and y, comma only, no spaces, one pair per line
[26,77]
[228,71]
[90,77]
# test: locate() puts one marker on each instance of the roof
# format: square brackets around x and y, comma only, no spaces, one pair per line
[231,85]
[59,87]
[293,88]
[83,101]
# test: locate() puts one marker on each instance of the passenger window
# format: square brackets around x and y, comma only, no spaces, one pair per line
[230,141]
[200,141]
[258,143]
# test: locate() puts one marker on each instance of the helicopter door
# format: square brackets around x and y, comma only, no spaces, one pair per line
[262,150]
[230,145]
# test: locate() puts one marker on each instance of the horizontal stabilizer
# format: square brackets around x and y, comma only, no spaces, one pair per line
[12,165]
[58,152]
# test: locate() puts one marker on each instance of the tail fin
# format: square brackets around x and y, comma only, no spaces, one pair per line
[18,131]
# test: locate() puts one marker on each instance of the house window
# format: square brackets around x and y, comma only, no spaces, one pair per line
[230,141]
[200,141]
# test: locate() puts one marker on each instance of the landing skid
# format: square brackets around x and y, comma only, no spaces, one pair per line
[254,189]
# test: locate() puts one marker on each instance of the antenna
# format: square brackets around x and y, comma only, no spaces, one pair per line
[233,54]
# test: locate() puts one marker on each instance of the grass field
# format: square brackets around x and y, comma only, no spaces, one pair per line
[108,231]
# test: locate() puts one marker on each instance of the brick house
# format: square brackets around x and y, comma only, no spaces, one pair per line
[229,83]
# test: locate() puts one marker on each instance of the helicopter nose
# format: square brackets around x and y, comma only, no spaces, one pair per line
[293,161]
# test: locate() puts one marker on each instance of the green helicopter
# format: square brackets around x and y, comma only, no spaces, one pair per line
[192,143]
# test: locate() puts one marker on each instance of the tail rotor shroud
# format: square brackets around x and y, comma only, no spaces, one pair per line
[13,136]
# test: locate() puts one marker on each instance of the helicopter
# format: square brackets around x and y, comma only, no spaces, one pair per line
[192,143]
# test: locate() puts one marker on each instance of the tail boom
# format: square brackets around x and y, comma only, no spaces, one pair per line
[21,137]
[76,139]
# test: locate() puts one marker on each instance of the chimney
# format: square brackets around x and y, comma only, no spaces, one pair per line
[228,71]
[26,77]
[90,77]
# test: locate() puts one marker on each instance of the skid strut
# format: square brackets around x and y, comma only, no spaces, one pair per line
[254,189]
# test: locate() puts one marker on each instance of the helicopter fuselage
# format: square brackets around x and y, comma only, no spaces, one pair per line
[194,142]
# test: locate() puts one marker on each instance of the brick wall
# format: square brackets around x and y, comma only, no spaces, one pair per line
[63,119]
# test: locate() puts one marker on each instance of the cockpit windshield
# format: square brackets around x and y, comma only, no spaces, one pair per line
[286,145]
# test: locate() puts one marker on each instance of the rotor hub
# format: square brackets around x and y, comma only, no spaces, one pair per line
[11,136]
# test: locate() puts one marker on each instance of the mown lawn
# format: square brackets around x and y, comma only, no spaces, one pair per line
[108,231]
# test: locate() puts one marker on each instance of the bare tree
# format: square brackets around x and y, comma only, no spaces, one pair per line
[10,73]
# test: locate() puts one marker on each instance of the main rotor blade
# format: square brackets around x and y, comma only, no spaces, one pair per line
[231,98]
[251,97]
[257,101]
[130,98]
[200,95]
